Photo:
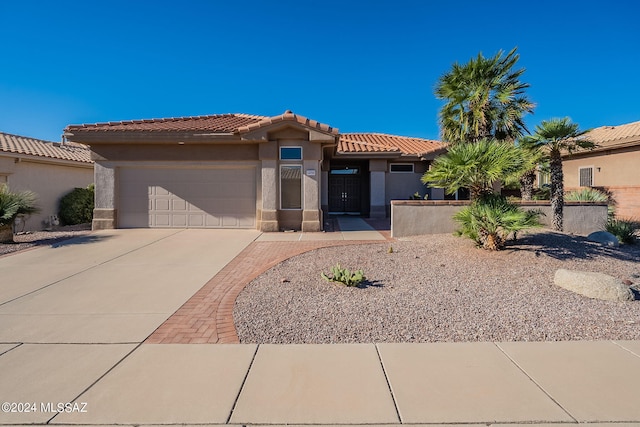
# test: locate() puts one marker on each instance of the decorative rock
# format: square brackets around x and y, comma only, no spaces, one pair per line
[604,237]
[593,285]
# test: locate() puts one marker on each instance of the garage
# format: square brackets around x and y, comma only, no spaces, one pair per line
[189,197]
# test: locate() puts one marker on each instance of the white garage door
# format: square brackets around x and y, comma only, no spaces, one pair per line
[187,198]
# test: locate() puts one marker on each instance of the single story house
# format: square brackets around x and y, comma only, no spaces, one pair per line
[245,171]
[49,169]
[613,166]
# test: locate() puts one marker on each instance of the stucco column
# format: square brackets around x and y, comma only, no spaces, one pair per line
[311,220]
[269,211]
[104,212]
[377,171]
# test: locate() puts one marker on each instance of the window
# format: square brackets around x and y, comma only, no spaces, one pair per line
[586,177]
[290,153]
[291,187]
[401,168]
[345,171]
[544,178]
[3,179]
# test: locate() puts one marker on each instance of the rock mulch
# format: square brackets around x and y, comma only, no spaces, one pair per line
[441,288]
[38,238]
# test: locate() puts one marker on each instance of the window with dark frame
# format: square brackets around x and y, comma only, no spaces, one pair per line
[401,168]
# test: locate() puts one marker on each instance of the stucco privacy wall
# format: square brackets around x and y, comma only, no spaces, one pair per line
[48,180]
[412,218]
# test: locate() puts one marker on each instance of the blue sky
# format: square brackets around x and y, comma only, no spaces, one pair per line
[361,66]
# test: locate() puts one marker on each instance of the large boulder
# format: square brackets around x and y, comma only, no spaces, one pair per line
[604,237]
[593,285]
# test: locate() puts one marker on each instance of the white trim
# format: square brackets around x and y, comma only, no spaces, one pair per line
[402,164]
[288,165]
[290,146]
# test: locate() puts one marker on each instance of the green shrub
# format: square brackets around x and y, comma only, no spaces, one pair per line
[491,219]
[344,276]
[417,196]
[624,230]
[586,195]
[76,207]
[14,204]
[542,193]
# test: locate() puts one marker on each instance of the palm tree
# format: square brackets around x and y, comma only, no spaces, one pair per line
[12,205]
[533,156]
[558,136]
[484,99]
[490,221]
[474,166]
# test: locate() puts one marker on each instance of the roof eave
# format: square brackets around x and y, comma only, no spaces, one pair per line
[93,137]
[33,158]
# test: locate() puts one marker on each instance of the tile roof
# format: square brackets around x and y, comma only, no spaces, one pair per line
[218,123]
[288,115]
[223,123]
[36,147]
[383,143]
[609,136]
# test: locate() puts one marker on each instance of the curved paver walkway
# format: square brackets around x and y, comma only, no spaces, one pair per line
[207,317]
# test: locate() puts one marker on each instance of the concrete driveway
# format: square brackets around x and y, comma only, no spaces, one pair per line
[113,286]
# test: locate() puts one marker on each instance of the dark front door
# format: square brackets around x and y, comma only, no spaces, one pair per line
[344,193]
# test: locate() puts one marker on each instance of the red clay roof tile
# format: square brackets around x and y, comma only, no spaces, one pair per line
[35,147]
[223,123]
[607,136]
[379,142]
[243,123]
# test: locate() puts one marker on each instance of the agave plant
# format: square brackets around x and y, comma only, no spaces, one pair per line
[625,230]
[490,220]
[586,195]
[12,205]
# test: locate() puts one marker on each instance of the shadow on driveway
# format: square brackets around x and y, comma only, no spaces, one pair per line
[80,240]
[565,247]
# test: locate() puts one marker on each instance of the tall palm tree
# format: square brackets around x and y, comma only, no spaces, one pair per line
[484,99]
[474,166]
[558,136]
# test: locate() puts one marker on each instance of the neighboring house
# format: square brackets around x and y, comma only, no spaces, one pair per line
[49,169]
[245,171]
[613,166]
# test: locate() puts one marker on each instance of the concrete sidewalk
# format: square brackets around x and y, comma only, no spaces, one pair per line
[390,384]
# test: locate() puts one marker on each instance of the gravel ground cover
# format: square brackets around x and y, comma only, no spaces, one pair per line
[39,238]
[441,288]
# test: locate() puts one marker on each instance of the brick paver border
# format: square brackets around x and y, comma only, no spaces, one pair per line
[207,317]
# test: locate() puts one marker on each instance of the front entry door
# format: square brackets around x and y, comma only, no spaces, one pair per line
[344,193]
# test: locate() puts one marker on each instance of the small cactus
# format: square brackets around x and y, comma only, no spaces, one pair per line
[345,276]
[390,251]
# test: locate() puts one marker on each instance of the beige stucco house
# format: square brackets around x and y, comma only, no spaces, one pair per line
[244,171]
[48,169]
[613,166]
